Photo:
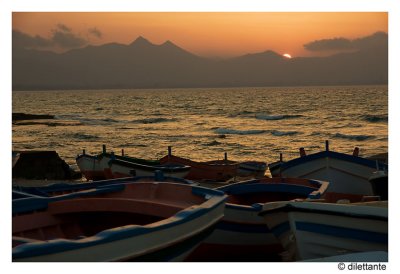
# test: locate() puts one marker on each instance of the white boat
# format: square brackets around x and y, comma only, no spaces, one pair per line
[380,184]
[140,221]
[252,168]
[92,166]
[97,167]
[242,235]
[312,230]
[122,169]
[345,173]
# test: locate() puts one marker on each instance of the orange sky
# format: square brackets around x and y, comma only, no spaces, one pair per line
[211,34]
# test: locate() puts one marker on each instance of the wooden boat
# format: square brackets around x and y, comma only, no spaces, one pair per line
[96,167]
[242,235]
[252,168]
[219,170]
[345,173]
[63,188]
[92,166]
[379,182]
[121,169]
[312,230]
[125,222]
[15,157]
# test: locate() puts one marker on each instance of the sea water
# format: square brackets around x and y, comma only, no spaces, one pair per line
[204,123]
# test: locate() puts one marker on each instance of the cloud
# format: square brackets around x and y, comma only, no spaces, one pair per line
[329,44]
[63,27]
[62,38]
[67,39]
[23,40]
[378,39]
[95,32]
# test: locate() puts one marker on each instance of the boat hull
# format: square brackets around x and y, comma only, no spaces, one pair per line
[346,173]
[213,170]
[252,168]
[92,167]
[122,169]
[167,239]
[379,182]
[240,236]
[307,234]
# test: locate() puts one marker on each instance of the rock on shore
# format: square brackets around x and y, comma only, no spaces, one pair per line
[24,116]
[42,165]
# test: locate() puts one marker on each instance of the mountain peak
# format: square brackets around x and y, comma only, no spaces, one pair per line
[271,54]
[168,42]
[141,41]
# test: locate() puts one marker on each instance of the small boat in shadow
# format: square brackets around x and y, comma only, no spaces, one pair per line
[345,173]
[242,235]
[338,226]
[141,221]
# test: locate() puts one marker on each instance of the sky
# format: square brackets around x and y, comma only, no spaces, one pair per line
[210,34]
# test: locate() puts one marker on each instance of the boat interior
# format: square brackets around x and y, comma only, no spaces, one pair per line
[83,216]
[265,197]
[269,190]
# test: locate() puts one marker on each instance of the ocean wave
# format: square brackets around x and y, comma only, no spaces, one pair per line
[239,132]
[283,133]
[153,120]
[375,118]
[213,143]
[316,133]
[68,117]
[276,117]
[97,122]
[353,137]
[86,121]
[349,125]
[83,136]
[109,120]
[254,131]
[242,113]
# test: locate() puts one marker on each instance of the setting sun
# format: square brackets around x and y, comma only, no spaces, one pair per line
[287,55]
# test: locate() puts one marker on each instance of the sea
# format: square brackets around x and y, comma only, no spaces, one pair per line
[204,123]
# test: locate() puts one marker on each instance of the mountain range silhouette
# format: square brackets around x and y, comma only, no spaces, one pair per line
[143,64]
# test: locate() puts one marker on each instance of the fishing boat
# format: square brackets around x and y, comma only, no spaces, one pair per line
[242,235]
[64,188]
[254,169]
[96,167]
[379,182]
[92,166]
[345,173]
[311,230]
[218,170]
[146,221]
[121,169]
[15,157]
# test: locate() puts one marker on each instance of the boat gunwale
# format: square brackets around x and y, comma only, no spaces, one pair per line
[321,186]
[164,168]
[326,154]
[213,199]
[59,187]
[297,207]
